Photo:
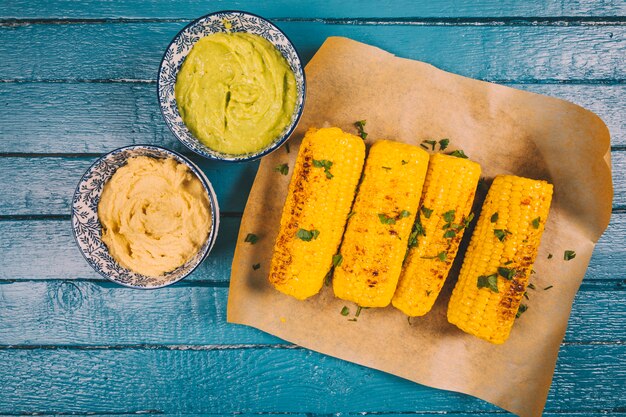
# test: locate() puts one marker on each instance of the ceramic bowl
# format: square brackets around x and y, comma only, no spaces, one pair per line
[88,230]
[182,44]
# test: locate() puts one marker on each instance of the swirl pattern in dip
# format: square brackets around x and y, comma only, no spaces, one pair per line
[155,215]
[235,92]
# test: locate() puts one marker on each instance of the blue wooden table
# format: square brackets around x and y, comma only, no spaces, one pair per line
[77,79]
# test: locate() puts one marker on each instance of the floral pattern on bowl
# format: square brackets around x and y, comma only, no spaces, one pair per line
[88,230]
[181,45]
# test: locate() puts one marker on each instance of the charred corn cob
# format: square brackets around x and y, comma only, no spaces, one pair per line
[444,213]
[500,257]
[376,237]
[321,191]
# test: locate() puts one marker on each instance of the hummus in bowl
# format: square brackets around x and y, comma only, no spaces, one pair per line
[144,216]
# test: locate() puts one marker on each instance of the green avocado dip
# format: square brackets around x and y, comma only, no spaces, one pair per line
[235,92]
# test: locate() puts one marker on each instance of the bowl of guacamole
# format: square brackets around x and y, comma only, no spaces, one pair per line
[231,86]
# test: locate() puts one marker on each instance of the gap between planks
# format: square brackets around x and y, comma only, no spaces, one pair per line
[405,21]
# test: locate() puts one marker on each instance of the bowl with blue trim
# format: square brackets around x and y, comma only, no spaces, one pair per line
[88,229]
[180,47]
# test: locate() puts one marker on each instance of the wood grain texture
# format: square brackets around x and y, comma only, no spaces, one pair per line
[507,53]
[99,117]
[190,9]
[103,314]
[27,248]
[45,185]
[47,250]
[587,377]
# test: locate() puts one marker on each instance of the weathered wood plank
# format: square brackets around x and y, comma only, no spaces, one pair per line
[101,314]
[587,377]
[46,185]
[189,9]
[133,50]
[28,246]
[47,250]
[98,117]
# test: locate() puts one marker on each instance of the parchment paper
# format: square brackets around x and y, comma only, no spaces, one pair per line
[506,131]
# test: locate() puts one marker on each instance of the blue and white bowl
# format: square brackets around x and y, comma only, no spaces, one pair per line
[88,230]
[181,45]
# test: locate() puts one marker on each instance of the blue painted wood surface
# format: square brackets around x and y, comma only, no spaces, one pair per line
[77,80]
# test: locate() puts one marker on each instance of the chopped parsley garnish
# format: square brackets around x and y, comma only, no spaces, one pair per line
[345,311]
[251,238]
[360,126]
[488,281]
[501,234]
[323,163]
[508,262]
[459,154]
[427,212]
[386,168]
[384,219]
[442,256]
[307,235]
[522,310]
[404,162]
[358,311]
[432,144]
[443,144]
[507,273]
[569,254]
[352,213]
[287,147]
[549,256]
[256,266]
[532,286]
[428,292]
[404,213]
[448,216]
[337,260]
[417,230]
[352,319]
[548,287]
[468,220]
[449,234]
[494,217]
[536,222]
[526,295]
[282,168]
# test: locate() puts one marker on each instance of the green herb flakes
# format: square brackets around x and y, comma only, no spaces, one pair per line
[386,168]
[536,222]
[549,256]
[307,235]
[427,212]
[384,219]
[282,168]
[569,255]
[488,281]
[507,273]
[494,217]
[532,286]
[501,234]
[443,144]
[468,220]
[323,163]
[442,256]
[352,213]
[360,126]
[548,287]
[251,238]
[404,162]
[256,266]
[459,154]
[404,213]
[432,144]
[345,311]
[522,309]
[287,147]
[449,234]
[337,260]
[358,311]
[448,216]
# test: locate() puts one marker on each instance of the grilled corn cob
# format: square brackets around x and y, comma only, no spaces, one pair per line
[376,237]
[321,191]
[444,213]
[500,257]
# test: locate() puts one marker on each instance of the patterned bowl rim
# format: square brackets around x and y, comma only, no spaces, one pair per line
[208,187]
[225,157]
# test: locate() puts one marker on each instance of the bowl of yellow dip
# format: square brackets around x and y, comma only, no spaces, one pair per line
[231,86]
[144,216]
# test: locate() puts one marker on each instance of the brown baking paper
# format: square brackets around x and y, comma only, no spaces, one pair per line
[506,131]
